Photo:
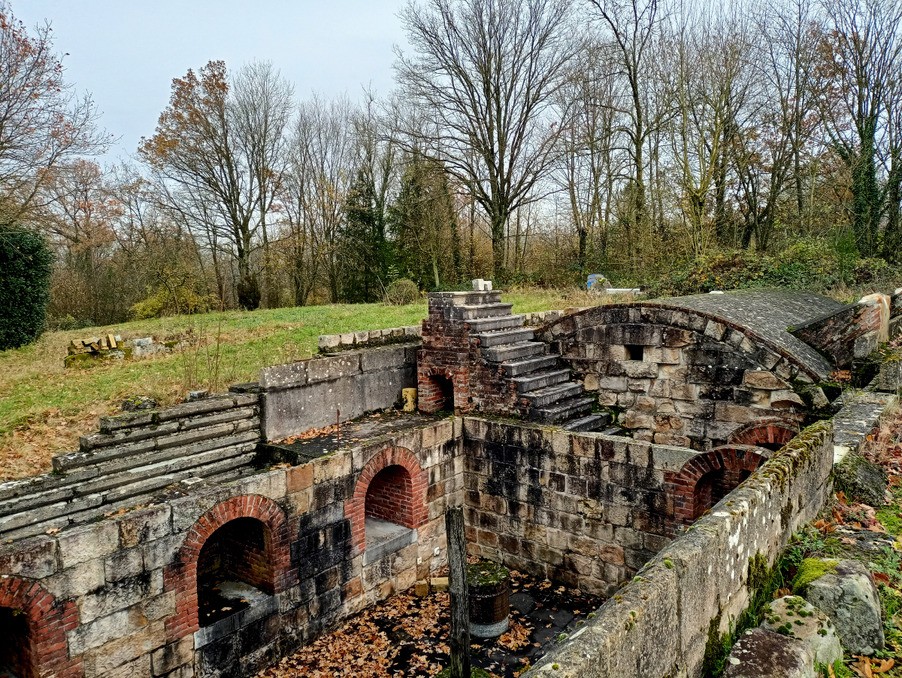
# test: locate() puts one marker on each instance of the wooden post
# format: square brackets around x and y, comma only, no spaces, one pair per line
[460,622]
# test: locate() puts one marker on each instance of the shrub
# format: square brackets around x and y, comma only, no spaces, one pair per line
[400,292]
[163,302]
[25,267]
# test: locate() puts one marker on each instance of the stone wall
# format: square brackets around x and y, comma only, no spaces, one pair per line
[332,343]
[132,456]
[680,378]
[660,623]
[119,596]
[854,331]
[588,510]
[312,393]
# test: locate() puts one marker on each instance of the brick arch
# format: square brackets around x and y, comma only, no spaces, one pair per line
[355,507]
[729,465]
[48,622]
[771,434]
[181,575]
[431,397]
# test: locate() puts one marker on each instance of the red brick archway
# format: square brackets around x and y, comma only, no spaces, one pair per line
[48,622]
[771,434]
[442,389]
[410,482]
[707,478]
[181,575]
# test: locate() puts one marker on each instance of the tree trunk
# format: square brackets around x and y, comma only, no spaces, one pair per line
[460,607]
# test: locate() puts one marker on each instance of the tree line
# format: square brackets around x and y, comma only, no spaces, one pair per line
[533,140]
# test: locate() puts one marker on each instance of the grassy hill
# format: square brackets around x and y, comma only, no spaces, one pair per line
[45,407]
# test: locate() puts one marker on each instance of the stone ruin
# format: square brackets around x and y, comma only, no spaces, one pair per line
[581,450]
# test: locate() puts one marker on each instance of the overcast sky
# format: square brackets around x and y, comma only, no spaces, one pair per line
[126,52]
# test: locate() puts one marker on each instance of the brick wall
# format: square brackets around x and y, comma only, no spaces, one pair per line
[852,332]
[450,355]
[696,382]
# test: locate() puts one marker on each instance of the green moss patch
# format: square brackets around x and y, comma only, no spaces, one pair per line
[809,570]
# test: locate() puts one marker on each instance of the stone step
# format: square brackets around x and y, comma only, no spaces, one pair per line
[470,297]
[518,368]
[538,380]
[487,339]
[592,422]
[562,411]
[551,394]
[501,322]
[613,431]
[508,352]
[96,506]
[481,311]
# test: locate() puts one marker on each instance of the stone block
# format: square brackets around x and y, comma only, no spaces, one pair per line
[848,596]
[795,617]
[139,527]
[328,369]
[80,544]
[382,359]
[640,370]
[135,647]
[763,380]
[291,375]
[161,552]
[103,630]
[124,564]
[172,656]
[762,654]
[77,580]
[34,558]
[616,384]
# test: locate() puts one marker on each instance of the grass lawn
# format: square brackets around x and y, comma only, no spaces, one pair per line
[45,407]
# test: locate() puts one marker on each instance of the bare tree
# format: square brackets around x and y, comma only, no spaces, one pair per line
[320,171]
[863,55]
[633,26]
[487,72]
[218,147]
[43,123]
[591,162]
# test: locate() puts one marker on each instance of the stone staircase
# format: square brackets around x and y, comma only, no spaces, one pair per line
[541,379]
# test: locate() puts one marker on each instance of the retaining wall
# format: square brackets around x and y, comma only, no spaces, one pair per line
[587,510]
[314,393]
[124,588]
[660,622]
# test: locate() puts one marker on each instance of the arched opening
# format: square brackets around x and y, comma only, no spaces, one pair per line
[436,394]
[707,478]
[769,434]
[389,512]
[16,658]
[234,570]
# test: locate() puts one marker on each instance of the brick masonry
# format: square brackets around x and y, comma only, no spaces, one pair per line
[588,510]
[119,596]
[660,623]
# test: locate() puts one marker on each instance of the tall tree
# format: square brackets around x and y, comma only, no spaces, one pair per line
[320,172]
[487,72]
[216,145]
[862,59]
[43,123]
[424,225]
[632,26]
